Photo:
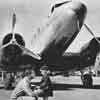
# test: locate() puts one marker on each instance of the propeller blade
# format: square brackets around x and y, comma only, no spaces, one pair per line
[27,51]
[3,46]
[13,21]
[90,31]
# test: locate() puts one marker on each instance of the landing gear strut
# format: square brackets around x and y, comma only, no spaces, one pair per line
[87,80]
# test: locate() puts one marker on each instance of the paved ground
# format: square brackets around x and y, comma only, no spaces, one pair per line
[67,88]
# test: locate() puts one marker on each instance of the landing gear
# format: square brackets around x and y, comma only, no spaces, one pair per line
[87,80]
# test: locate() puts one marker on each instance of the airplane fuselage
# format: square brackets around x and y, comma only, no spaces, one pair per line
[61,29]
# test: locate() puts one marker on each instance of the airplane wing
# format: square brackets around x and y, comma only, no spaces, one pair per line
[82,59]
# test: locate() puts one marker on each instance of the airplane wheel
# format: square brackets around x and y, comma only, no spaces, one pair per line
[87,80]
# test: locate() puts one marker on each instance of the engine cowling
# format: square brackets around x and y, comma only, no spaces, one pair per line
[11,52]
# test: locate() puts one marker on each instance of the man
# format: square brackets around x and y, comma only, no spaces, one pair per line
[23,87]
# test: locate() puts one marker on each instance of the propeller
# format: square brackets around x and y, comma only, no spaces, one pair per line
[13,41]
[13,27]
[90,31]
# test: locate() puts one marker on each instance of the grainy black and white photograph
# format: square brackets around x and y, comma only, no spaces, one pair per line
[49,50]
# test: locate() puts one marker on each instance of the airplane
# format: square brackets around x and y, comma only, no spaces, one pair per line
[12,48]
[63,25]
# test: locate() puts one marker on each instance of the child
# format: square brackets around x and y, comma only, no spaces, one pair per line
[45,87]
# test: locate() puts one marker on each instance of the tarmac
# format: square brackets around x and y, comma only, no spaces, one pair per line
[65,88]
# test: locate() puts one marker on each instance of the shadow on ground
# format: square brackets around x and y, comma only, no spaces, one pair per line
[72,86]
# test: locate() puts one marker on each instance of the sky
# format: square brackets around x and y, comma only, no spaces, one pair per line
[93,21]
[32,13]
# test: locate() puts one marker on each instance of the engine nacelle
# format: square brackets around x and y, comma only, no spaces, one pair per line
[11,52]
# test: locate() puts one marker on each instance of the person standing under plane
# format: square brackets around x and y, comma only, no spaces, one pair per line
[23,88]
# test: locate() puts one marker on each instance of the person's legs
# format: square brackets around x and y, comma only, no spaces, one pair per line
[20,98]
[36,98]
[45,98]
[13,99]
